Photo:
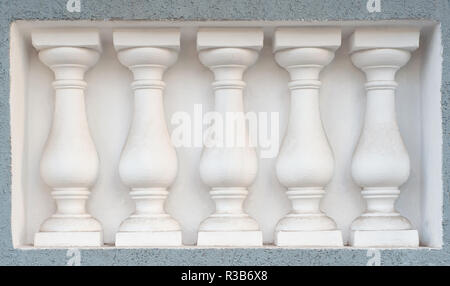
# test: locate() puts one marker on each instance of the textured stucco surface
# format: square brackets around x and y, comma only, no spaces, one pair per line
[200,10]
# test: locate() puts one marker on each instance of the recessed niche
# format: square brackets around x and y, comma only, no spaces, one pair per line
[109,107]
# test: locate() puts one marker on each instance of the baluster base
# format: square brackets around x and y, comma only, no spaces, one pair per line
[230,225]
[148,238]
[230,238]
[149,230]
[307,229]
[69,239]
[321,238]
[384,238]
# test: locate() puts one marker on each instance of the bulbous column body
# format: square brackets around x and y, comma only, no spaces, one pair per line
[229,169]
[381,163]
[148,164]
[305,163]
[69,164]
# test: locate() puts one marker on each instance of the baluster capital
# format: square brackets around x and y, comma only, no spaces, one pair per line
[68,53]
[381,52]
[228,52]
[147,52]
[303,52]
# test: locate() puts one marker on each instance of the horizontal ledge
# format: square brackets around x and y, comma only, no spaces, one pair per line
[107,246]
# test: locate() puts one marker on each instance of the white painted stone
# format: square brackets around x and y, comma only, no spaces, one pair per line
[69,164]
[305,163]
[381,163]
[229,170]
[148,164]
[107,105]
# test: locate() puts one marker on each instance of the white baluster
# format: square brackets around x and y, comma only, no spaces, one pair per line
[227,169]
[148,164]
[305,163]
[69,164]
[381,163]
